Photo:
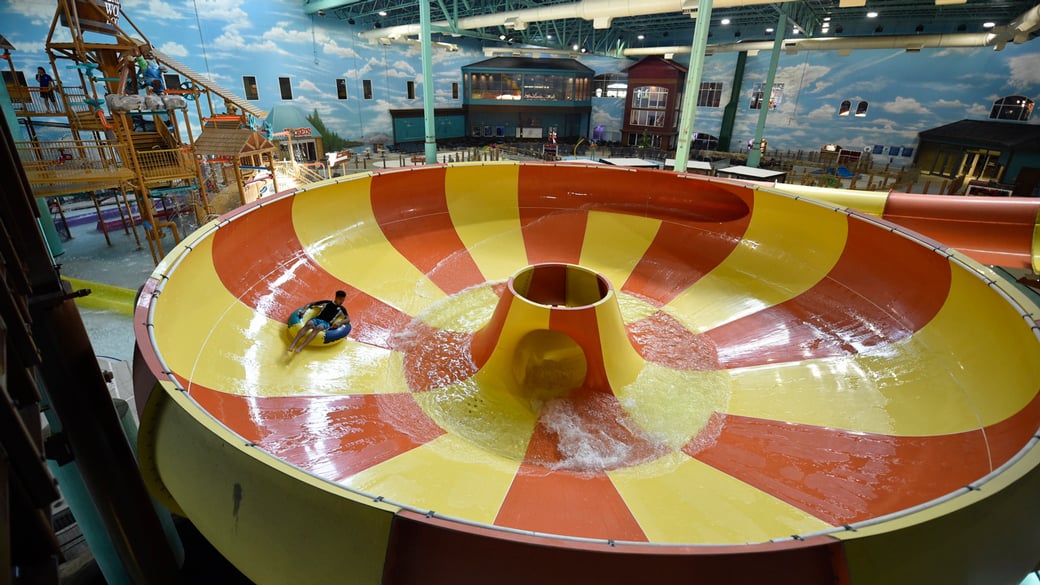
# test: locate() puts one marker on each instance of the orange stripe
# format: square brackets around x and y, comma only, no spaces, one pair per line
[992,230]
[582,326]
[552,218]
[333,437]
[253,252]
[412,210]
[682,252]
[434,358]
[661,339]
[568,503]
[844,476]
[882,290]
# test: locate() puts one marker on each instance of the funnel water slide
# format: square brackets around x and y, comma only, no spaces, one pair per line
[588,374]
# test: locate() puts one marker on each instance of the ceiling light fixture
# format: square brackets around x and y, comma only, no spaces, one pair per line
[382,13]
[725,21]
[872,14]
[989,24]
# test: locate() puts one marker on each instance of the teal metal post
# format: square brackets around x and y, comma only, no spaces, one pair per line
[429,115]
[46,220]
[693,85]
[729,116]
[755,155]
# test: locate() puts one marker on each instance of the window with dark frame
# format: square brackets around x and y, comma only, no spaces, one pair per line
[285,86]
[455,90]
[249,86]
[1012,107]
[710,95]
[366,88]
[411,90]
[649,104]
[172,81]
[341,89]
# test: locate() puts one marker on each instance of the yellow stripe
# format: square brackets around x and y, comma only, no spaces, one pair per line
[104,297]
[242,500]
[227,346]
[788,247]
[337,227]
[975,364]
[615,243]
[681,500]
[483,412]
[482,202]
[458,479]
[871,202]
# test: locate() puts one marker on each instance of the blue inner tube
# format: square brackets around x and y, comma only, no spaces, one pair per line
[327,337]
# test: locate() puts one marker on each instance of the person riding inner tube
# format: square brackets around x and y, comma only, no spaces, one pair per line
[319,323]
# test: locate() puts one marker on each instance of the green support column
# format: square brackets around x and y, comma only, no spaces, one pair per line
[45,220]
[427,66]
[729,116]
[693,85]
[755,155]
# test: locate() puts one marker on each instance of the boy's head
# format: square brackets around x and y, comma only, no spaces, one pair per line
[341,295]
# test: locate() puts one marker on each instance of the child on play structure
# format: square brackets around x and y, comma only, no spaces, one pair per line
[332,315]
[47,86]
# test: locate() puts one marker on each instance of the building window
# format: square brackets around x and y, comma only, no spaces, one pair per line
[649,104]
[366,88]
[455,90]
[710,95]
[285,87]
[845,109]
[249,85]
[1012,107]
[776,97]
[411,90]
[172,81]
[341,89]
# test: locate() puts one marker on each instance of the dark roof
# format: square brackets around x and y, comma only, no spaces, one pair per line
[553,63]
[990,133]
[231,142]
[656,59]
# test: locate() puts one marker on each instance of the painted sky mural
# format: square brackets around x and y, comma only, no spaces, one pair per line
[906,92]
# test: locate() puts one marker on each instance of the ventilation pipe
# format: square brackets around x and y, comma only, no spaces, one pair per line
[908,42]
[600,12]
[1018,30]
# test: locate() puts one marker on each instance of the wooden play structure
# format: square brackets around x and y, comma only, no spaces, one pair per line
[129,110]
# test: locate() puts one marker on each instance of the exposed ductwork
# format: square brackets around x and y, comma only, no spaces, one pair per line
[600,12]
[1019,31]
[908,42]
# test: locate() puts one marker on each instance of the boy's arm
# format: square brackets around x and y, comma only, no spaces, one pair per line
[342,319]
